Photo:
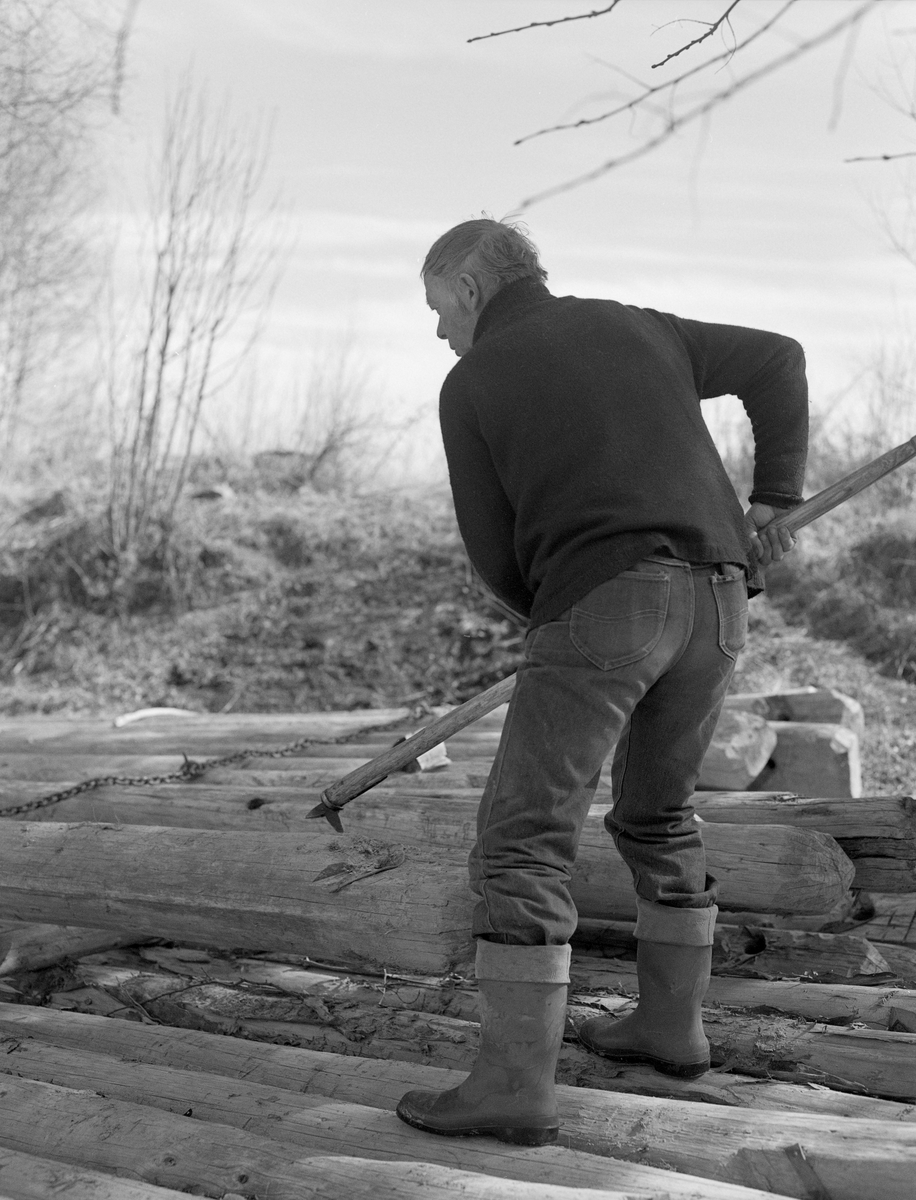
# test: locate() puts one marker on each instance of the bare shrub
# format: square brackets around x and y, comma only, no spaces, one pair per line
[57,71]
[208,262]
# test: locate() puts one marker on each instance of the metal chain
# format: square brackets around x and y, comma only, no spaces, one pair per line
[193,769]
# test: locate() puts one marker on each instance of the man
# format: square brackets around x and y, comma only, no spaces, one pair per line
[592,500]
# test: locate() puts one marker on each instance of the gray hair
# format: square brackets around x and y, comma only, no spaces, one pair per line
[495,252]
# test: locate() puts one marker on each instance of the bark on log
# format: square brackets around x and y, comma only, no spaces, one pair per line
[877,832]
[747,1043]
[825,1002]
[813,760]
[331,897]
[702,1139]
[766,869]
[757,951]
[164,1147]
[26,1177]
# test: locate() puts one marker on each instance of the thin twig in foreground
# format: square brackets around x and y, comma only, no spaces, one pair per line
[713,26]
[599,12]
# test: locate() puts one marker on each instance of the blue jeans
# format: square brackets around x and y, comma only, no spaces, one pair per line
[638,668]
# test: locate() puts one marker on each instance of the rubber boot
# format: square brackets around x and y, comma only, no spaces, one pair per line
[666,1028]
[510,1093]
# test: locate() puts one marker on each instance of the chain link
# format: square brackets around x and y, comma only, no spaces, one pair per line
[193,768]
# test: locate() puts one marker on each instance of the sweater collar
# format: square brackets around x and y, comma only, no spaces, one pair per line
[510,303]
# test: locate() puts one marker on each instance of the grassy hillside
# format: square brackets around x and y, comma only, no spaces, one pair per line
[274,599]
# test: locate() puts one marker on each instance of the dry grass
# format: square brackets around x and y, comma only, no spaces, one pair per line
[279,600]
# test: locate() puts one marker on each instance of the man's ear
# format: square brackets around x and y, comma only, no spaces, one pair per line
[469,292]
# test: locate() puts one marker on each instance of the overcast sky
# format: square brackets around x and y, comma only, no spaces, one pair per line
[389,127]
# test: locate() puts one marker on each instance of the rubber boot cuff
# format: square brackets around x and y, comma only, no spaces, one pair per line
[522,964]
[673,926]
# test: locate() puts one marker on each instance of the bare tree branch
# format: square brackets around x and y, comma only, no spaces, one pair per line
[55,60]
[713,26]
[677,121]
[881,157]
[209,258]
[600,12]
[669,86]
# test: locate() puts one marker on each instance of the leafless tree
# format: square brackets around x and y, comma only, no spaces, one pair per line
[751,41]
[56,61]
[209,259]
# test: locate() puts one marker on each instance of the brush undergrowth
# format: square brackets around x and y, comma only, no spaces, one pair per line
[272,598]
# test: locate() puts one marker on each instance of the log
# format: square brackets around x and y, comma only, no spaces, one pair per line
[321,894]
[382,1083]
[871,1061]
[767,869]
[740,749]
[147,1136]
[877,832]
[748,1044]
[758,951]
[422,994]
[25,947]
[26,1177]
[813,760]
[822,1002]
[223,988]
[763,868]
[53,732]
[703,1139]
[822,705]
[825,1002]
[590,973]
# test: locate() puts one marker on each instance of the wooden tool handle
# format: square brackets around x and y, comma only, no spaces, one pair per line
[843,489]
[396,757]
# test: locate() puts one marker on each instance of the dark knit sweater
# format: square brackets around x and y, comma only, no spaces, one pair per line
[576,446]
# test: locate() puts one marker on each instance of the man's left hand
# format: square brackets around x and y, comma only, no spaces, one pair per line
[768,545]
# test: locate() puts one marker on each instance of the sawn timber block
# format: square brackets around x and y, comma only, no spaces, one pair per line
[812,759]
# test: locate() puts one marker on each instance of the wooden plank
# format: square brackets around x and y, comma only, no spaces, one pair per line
[321,894]
[381,1083]
[148,1137]
[893,919]
[765,868]
[700,1139]
[27,1177]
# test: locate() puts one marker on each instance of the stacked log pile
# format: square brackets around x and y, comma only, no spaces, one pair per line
[174,953]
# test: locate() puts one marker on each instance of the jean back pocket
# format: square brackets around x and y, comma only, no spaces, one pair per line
[621,621]
[730,592]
